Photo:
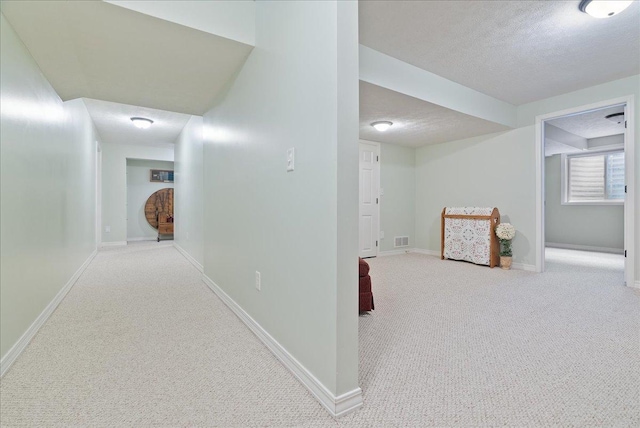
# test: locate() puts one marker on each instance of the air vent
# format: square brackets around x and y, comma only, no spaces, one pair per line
[401,241]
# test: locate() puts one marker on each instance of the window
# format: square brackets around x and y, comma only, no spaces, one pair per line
[594,178]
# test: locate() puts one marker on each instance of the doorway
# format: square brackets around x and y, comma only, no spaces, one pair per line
[585,168]
[369,199]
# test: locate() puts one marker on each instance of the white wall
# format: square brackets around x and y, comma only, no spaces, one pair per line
[397,205]
[493,170]
[499,169]
[298,88]
[114,184]
[189,196]
[599,226]
[47,215]
[139,188]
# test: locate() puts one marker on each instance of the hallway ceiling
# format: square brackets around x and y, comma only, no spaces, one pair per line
[416,122]
[98,50]
[113,121]
[515,51]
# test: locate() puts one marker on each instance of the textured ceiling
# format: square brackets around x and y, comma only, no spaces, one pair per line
[515,51]
[591,124]
[415,122]
[98,50]
[114,125]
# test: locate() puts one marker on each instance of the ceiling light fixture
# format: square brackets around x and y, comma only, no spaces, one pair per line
[603,8]
[382,125]
[141,122]
[615,117]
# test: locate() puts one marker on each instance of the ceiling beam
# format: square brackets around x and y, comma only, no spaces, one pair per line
[559,135]
[391,73]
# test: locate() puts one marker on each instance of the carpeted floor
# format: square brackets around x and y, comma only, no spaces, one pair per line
[141,341]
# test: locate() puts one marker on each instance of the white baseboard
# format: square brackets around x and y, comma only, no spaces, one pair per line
[585,248]
[188,257]
[113,244]
[636,284]
[394,252]
[24,340]
[152,238]
[337,406]
[517,266]
[427,252]
[523,266]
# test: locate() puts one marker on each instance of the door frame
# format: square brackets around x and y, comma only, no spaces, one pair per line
[98,194]
[377,184]
[630,161]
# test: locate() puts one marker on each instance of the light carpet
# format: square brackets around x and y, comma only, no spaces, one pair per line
[141,341]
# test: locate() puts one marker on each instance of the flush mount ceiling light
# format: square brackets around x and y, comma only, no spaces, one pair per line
[141,122]
[615,117]
[603,8]
[382,125]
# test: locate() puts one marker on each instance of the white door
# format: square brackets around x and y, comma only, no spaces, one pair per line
[369,202]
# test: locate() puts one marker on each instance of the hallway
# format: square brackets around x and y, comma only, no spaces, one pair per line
[140,340]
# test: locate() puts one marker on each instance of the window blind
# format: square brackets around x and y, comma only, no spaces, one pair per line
[586,178]
[595,177]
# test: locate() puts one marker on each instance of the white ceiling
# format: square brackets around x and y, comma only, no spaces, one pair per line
[515,51]
[98,50]
[416,122]
[591,124]
[113,121]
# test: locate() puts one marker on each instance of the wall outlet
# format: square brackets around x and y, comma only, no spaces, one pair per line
[382,234]
[107,229]
[258,285]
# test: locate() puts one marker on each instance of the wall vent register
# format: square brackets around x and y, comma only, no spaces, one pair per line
[401,241]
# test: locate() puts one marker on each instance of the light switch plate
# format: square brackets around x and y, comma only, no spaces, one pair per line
[258,281]
[291,157]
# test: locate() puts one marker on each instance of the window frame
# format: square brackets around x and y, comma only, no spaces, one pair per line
[564,175]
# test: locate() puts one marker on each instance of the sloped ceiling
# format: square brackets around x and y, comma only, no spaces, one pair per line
[101,51]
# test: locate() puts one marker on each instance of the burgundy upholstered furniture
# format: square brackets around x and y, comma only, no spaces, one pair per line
[366,296]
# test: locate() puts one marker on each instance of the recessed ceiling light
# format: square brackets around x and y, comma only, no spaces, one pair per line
[603,8]
[382,125]
[141,122]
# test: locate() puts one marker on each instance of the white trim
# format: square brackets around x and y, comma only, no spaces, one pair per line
[395,252]
[153,238]
[630,181]
[629,207]
[15,351]
[585,248]
[427,252]
[336,405]
[636,284]
[188,257]
[523,266]
[113,244]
